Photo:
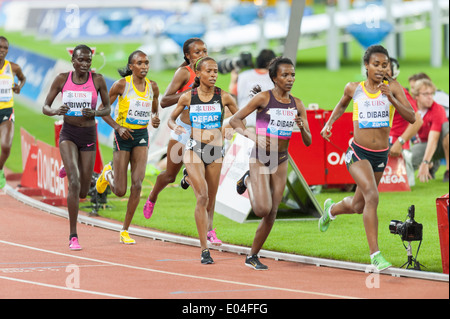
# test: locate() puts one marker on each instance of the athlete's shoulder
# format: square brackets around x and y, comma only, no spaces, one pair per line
[97,76]
[350,88]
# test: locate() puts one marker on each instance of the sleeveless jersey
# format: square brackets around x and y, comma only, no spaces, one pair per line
[276,119]
[79,96]
[135,107]
[6,85]
[372,110]
[188,85]
[206,115]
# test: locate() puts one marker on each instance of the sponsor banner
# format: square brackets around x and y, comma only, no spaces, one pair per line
[394,177]
[37,68]
[100,24]
[49,163]
[235,163]
[42,163]
[327,166]
[26,141]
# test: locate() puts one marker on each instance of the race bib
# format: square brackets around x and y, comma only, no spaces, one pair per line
[373,113]
[77,101]
[139,112]
[281,122]
[206,116]
[6,92]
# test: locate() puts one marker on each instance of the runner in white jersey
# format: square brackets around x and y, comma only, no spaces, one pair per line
[374,103]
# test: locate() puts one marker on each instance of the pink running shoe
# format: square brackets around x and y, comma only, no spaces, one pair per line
[62,172]
[212,238]
[148,209]
[73,244]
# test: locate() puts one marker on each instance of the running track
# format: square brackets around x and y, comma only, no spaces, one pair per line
[35,262]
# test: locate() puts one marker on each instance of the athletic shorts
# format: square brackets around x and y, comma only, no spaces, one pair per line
[7,115]
[182,138]
[377,158]
[140,139]
[269,159]
[207,153]
[85,138]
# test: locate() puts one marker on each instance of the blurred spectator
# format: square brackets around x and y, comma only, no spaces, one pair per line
[402,131]
[432,139]
[440,97]
[242,84]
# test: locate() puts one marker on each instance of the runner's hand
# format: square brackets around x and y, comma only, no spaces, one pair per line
[125,133]
[326,132]
[155,121]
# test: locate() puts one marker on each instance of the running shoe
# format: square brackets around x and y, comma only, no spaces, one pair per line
[73,244]
[325,220]
[2,179]
[240,185]
[253,262]
[206,257]
[148,208]
[445,179]
[212,238]
[62,172]
[125,238]
[379,262]
[102,183]
[184,184]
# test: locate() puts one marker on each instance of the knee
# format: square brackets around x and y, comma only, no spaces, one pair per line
[168,177]
[119,191]
[202,199]
[261,210]
[74,186]
[269,219]
[371,198]
[358,208]
[136,188]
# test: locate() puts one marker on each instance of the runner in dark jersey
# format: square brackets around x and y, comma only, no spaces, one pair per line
[277,112]
[204,151]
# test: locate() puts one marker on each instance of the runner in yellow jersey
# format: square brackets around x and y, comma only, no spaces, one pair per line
[138,106]
[8,70]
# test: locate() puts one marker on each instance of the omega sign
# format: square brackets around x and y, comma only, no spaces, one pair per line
[48,165]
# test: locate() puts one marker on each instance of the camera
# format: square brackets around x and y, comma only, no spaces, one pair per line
[410,230]
[243,61]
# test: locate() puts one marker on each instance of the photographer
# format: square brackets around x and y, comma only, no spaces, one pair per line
[242,84]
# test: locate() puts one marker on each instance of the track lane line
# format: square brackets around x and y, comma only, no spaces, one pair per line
[67,288]
[180,274]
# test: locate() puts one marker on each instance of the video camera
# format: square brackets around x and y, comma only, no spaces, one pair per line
[243,61]
[410,230]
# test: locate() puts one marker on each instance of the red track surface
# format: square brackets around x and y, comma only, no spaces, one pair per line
[35,262]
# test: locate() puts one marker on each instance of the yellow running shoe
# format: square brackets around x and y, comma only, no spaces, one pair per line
[102,183]
[125,238]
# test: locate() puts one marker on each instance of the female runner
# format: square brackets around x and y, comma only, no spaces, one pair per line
[374,103]
[204,150]
[277,112]
[138,100]
[77,141]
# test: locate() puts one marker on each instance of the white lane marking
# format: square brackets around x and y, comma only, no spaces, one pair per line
[180,274]
[66,288]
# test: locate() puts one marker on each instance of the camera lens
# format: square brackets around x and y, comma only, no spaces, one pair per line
[394,226]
